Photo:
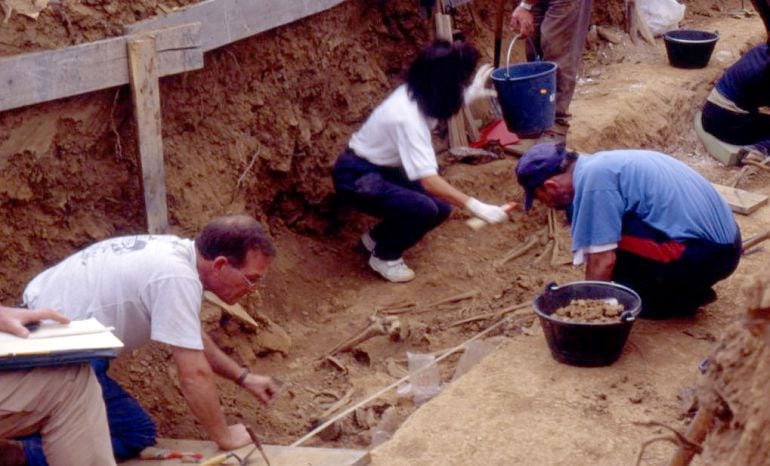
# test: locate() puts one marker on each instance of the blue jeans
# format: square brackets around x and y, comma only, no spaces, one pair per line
[406,210]
[131,428]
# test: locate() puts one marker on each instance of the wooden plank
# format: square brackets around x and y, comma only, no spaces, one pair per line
[43,76]
[143,63]
[226,21]
[474,132]
[235,310]
[456,124]
[740,201]
[278,455]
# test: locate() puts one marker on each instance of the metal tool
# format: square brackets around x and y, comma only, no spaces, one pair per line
[219,459]
[241,461]
[258,445]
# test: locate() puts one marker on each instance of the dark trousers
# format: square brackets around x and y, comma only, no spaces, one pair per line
[736,128]
[131,428]
[406,210]
[561,27]
[672,277]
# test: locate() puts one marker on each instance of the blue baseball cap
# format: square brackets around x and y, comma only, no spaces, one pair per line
[538,163]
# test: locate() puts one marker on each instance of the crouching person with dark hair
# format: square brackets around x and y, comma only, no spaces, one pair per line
[389,169]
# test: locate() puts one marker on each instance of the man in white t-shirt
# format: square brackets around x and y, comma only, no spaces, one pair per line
[151,288]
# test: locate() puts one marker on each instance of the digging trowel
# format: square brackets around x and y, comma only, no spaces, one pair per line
[258,445]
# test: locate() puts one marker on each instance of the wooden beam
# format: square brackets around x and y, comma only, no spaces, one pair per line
[226,21]
[43,76]
[145,88]
[277,454]
[740,201]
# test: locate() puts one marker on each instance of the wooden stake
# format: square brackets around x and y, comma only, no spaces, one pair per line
[143,71]
[456,124]
[756,239]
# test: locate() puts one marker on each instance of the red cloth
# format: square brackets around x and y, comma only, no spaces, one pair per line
[649,249]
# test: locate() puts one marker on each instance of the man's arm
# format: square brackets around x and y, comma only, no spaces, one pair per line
[599,265]
[197,382]
[263,387]
[439,187]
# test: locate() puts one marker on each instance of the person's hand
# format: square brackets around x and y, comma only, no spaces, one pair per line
[477,89]
[487,212]
[236,437]
[263,387]
[523,21]
[12,320]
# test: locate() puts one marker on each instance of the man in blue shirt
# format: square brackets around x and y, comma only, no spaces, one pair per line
[639,218]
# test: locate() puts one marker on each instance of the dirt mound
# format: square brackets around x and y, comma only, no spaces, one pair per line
[734,388]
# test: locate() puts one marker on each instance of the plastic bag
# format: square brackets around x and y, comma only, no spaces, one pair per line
[474,352]
[661,16]
[385,429]
[423,378]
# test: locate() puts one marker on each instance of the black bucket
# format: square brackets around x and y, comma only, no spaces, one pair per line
[688,48]
[527,94]
[584,343]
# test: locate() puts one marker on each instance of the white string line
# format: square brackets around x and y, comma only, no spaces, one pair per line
[344,413]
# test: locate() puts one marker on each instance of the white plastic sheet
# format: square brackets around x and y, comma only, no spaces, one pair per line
[661,16]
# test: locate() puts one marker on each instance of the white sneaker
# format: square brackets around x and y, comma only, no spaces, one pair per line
[368,242]
[394,271]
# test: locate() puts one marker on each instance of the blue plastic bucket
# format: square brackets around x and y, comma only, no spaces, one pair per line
[527,94]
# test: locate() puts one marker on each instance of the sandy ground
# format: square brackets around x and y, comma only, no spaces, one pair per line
[69,176]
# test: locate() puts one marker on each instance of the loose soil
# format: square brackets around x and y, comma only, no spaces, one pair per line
[257,131]
[590,310]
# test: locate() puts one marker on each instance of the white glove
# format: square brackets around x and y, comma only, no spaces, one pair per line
[487,212]
[477,89]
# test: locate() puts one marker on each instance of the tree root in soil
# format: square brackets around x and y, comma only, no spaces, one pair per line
[676,438]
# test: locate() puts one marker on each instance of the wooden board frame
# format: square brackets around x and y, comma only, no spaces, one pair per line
[227,21]
[33,78]
[277,454]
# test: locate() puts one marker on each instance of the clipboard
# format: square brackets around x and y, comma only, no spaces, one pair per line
[54,344]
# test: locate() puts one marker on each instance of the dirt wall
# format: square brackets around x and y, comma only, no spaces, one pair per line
[281,104]
[257,129]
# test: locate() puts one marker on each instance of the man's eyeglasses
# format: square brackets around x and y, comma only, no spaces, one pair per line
[246,280]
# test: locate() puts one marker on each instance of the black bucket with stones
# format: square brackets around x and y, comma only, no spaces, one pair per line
[588,344]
